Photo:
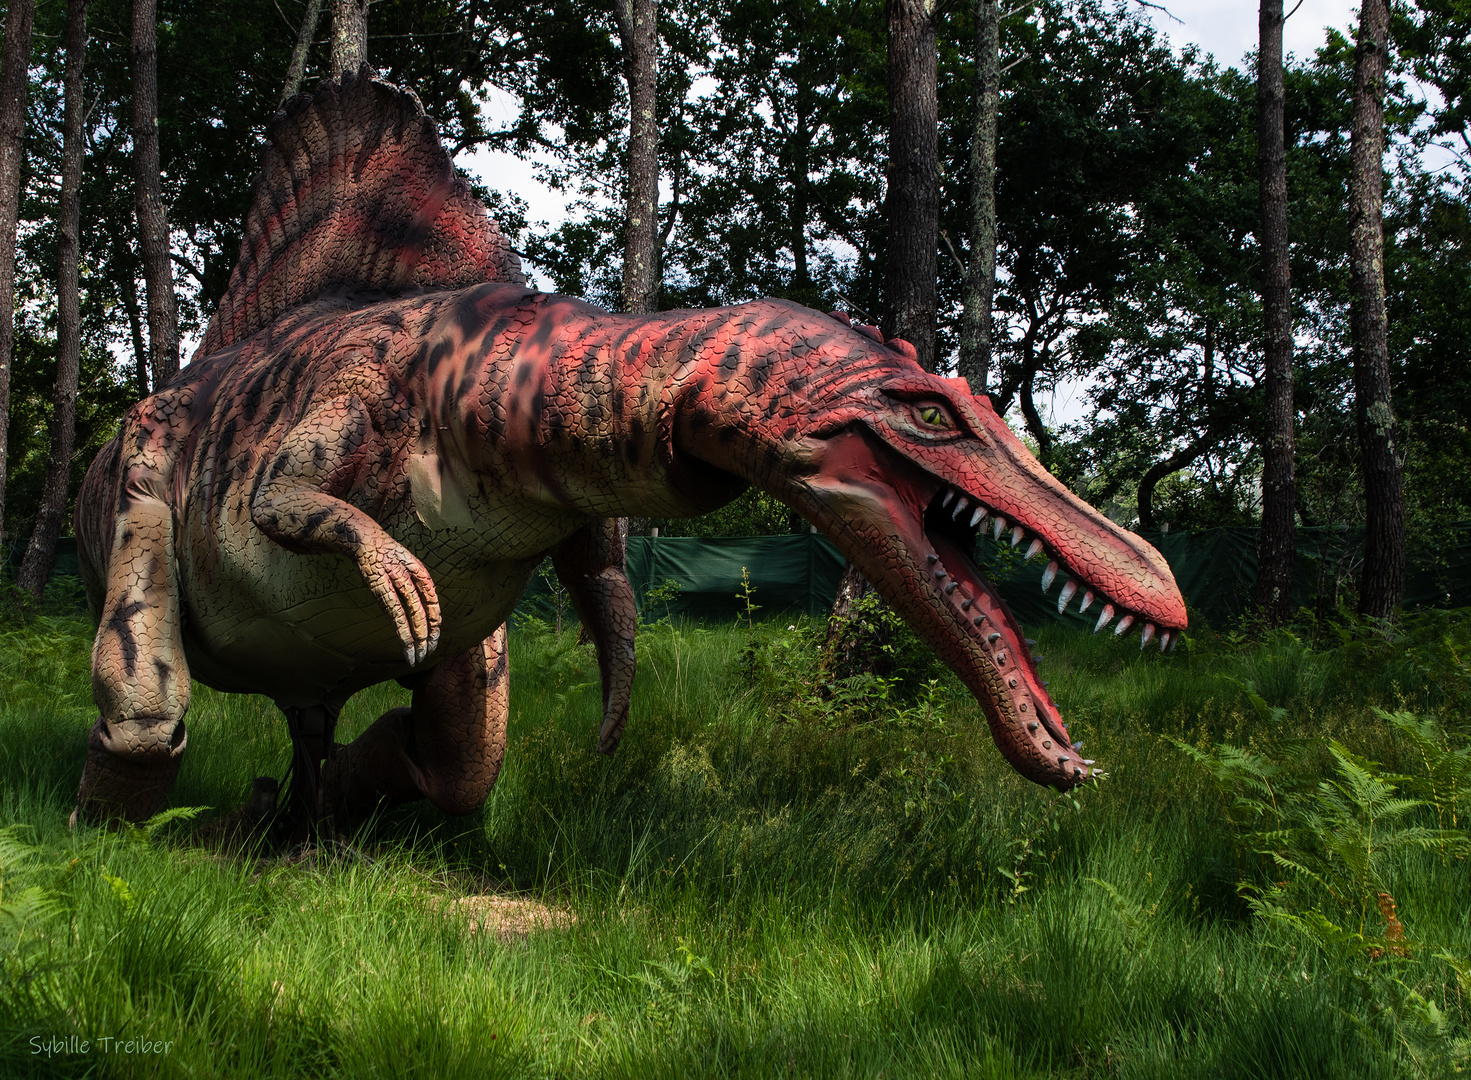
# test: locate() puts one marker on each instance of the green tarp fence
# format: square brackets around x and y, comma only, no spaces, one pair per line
[1215,570]
[799,574]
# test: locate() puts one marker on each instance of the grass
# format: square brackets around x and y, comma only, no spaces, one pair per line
[762,883]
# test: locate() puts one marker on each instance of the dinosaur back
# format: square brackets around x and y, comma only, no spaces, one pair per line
[355,191]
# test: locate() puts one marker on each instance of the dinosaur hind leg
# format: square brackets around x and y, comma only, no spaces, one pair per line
[311,728]
[447,746]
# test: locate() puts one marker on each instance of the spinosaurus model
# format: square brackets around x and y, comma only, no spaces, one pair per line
[384,432]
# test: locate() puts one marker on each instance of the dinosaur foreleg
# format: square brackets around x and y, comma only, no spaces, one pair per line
[140,680]
[299,507]
[447,746]
[590,563]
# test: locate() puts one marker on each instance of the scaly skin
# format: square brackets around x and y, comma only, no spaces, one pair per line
[359,488]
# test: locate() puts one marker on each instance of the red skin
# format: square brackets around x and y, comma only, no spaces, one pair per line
[356,488]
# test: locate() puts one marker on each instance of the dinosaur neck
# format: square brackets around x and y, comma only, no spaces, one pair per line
[567,404]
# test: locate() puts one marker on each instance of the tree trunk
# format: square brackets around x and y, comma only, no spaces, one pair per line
[153,222]
[349,36]
[912,203]
[297,69]
[980,278]
[128,287]
[1382,584]
[35,568]
[14,85]
[802,290]
[1275,545]
[638,27]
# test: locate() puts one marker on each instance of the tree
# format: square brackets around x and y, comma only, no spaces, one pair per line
[1382,582]
[35,568]
[912,203]
[153,223]
[14,85]
[297,71]
[349,48]
[980,281]
[1276,541]
[638,29]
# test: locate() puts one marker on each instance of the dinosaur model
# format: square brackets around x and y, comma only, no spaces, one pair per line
[384,432]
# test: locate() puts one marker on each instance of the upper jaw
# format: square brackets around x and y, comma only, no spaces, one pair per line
[965,516]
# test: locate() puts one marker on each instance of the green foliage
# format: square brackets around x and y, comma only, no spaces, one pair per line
[1335,849]
[755,892]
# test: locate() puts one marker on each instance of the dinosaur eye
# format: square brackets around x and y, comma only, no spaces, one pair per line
[934,416]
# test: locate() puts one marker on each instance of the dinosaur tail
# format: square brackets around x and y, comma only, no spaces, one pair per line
[355,191]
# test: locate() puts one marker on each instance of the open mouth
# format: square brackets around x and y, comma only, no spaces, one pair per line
[1034,736]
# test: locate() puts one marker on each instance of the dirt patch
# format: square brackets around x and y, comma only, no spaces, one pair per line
[510,918]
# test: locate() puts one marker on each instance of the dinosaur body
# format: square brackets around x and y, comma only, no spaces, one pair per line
[359,472]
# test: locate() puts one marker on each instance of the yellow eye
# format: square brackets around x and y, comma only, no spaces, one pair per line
[934,416]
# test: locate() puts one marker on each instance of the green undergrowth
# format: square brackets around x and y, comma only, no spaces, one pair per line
[780,873]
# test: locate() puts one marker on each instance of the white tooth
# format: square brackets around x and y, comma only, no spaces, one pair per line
[1164,641]
[1145,635]
[1104,617]
[998,527]
[949,496]
[1049,576]
[1087,601]
[1018,534]
[978,517]
[1123,626]
[1066,595]
[1032,549]
[959,506]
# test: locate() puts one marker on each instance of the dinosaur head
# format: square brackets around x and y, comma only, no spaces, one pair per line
[902,469]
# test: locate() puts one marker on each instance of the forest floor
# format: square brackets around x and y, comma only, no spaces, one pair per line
[770,878]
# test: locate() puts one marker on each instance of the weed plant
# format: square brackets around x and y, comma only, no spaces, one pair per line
[775,875]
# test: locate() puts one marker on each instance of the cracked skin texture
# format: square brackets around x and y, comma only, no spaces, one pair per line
[384,432]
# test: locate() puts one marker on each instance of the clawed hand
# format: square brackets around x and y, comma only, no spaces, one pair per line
[403,586]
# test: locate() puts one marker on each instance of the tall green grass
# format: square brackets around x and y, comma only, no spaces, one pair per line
[763,882]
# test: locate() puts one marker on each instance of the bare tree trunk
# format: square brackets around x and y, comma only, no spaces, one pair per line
[638,27]
[1276,542]
[153,222]
[129,289]
[35,568]
[297,69]
[980,278]
[912,203]
[1382,584]
[14,86]
[349,36]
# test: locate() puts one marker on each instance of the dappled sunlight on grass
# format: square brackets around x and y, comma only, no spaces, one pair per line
[758,882]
